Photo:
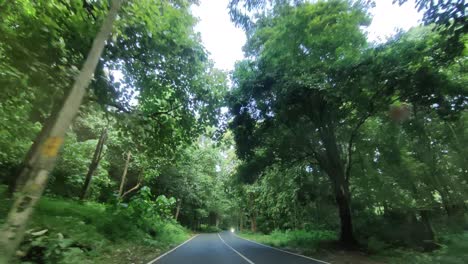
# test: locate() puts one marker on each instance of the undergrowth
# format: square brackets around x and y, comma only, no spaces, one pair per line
[453,248]
[68,231]
[303,241]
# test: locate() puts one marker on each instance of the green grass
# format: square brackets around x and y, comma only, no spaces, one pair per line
[88,233]
[305,242]
[454,248]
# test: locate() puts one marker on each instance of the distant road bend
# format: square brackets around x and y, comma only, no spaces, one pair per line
[228,248]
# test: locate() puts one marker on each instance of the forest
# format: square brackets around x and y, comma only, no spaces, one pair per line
[120,139]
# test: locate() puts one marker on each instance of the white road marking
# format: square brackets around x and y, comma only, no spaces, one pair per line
[160,257]
[295,254]
[238,253]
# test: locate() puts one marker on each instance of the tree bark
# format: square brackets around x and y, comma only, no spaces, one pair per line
[253,223]
[38,173]
[179,203]
[342,197]
[133,188]
[331,162]
[343,201]
[241,222]
[32,155]
[124,174]
[94,163]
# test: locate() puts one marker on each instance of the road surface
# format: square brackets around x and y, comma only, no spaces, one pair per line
[227,248]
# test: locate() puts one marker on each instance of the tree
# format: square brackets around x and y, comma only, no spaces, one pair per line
[97,156]
[124,173]
[304,93]
[449,16]
[298,91]
[13,230]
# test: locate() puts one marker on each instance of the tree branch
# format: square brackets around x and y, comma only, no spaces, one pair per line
[140,180]
[350,144]
[124,109]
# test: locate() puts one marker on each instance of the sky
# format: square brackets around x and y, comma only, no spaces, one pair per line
[224,41]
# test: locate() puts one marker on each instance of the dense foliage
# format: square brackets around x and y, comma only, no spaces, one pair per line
[322,119]
[328,137]
[148,116]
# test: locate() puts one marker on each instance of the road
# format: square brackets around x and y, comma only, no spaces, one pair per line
[227,248]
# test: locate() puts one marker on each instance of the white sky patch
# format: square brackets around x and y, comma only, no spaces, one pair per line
[388,18]
[219,35]
[224,41]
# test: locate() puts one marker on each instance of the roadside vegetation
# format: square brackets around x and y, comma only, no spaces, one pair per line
[139,160]
[339,135]
[319,141]
[322,245]
[69,231]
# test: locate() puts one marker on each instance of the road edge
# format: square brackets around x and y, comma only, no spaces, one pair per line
[235,251]
[282,250]
[167,252]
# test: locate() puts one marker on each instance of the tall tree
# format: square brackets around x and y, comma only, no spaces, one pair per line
[36,179]
[304,93]
[294,87]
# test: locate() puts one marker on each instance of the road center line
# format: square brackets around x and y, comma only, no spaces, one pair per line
[295,254]
[160,257]
[238,253]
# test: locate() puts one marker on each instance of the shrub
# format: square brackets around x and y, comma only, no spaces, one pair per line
[209,229]
[297,239]
[375,245]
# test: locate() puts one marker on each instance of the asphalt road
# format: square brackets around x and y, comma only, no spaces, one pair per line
[227,248]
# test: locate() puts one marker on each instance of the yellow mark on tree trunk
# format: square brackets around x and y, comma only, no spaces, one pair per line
[52,146]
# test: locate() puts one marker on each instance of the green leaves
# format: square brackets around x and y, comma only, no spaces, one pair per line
[312,102]
[170,91]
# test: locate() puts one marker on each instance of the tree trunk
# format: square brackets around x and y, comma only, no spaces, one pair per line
[177,210]
[428,232]
[425,218]
[455,210]
[342,197]
[124,174]
[38,173]
[331,162]
[241,222]
[140,180]
[217,221]
[94,163]
[253,223]
[343,201]
[33,154]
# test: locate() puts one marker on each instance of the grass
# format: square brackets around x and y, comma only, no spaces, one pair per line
[304,242]
[88,233]
[317,244]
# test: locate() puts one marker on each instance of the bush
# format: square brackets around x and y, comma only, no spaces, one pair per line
[375,245]
[45,247]
[86,232]
[170,233]
[454,250]
[145,211]
[295,239]
[209,229]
